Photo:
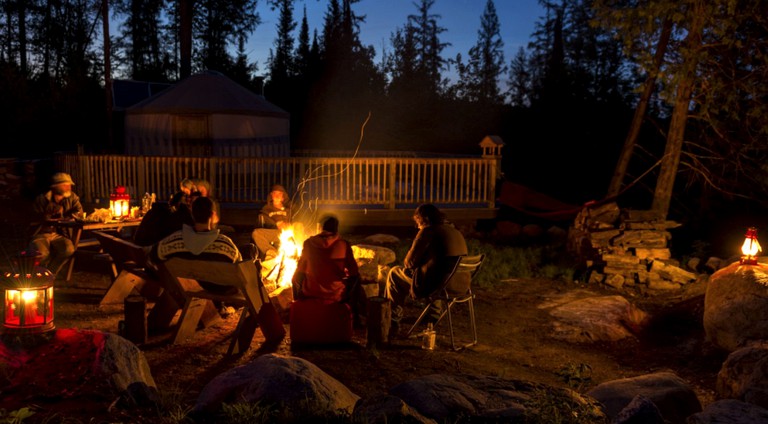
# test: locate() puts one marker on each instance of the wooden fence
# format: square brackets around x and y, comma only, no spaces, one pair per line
[385,183]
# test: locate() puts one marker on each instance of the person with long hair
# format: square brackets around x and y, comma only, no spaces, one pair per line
[426,264]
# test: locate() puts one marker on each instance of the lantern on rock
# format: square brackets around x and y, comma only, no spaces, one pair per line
[27,297]
[119,202]
[750,248]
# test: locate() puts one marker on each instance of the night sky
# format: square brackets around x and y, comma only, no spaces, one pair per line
[461,19]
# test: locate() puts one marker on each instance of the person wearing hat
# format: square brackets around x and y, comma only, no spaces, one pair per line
[59,203]
[274,217]
[327,268]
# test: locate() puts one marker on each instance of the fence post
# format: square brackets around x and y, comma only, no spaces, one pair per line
[492,145]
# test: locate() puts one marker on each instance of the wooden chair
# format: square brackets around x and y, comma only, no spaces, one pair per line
[183,284]
[134,275]
[470,265]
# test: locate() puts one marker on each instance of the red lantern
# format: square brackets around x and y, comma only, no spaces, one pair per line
[27,297]
[119,202]
[750,248]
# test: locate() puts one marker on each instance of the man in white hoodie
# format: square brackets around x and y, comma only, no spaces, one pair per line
[201,241]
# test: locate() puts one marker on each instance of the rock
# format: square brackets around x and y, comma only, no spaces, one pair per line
[693,264]
[373,261]
[126,366]
[532,231]
[294,385]
[382,239]
[736,306]
[71,364]
[592,319]
[730,411]
[368,253]
[508,229]
[491,399]
[387,409]
[672,272]
[557,235]
[639,411]
[713,263]
[744,376]
[670,393]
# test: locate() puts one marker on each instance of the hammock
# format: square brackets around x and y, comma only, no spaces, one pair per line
[533,203]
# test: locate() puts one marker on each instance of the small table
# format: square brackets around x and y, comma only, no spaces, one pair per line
[79,226]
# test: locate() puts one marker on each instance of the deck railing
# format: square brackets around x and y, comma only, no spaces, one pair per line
[388,183]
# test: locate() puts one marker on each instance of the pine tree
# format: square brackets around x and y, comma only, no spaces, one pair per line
[519,80]
[480,76]
[281,66]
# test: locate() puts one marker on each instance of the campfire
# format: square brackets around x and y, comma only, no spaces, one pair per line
[277,272]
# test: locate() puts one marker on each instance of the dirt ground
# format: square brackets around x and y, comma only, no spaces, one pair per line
[513,333]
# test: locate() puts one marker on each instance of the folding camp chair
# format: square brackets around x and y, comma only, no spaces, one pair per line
[470,265]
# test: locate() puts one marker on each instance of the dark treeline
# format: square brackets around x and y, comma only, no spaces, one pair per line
[564,105]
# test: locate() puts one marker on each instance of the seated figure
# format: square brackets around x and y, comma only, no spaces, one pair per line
[202,241]
[326,265]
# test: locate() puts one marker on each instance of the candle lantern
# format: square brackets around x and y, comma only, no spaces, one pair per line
[119,202]
[750,248]
[27,297]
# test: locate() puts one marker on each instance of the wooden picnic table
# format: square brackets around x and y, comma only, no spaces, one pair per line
[78,227]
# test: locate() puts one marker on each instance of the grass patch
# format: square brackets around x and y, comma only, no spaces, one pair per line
[503,262]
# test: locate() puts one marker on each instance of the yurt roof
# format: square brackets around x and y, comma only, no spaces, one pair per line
[206,93]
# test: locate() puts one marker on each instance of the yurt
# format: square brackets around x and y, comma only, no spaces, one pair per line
[206,114]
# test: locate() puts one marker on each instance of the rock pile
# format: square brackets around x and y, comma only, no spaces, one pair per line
[627,249]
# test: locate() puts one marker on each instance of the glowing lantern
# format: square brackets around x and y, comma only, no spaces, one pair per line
[27,297]
[750,248]
[120,202]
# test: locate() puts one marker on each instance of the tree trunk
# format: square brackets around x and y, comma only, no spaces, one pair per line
[22,37]
[185,37]
[662,195]
[639,117]
[107,70]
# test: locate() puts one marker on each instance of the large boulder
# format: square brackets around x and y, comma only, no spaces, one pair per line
[592,319]
[73,364]
[671,394]
[744,376]
[730,411]
[492,399]
[295,386]
[373,261]
[736,306]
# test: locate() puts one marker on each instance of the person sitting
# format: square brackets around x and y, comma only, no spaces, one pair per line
[187,186]
[203,186]
[426,264]
[327,267]
[162,220]
[53,244]
[274,217]
[200,241]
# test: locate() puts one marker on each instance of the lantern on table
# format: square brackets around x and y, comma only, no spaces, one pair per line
[750,248]
[119,202]
[27,297]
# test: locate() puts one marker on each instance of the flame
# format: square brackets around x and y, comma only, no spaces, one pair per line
[278,272]
[751,247]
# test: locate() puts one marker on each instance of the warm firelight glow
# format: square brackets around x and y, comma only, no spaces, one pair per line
[278,272]
[750,248]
